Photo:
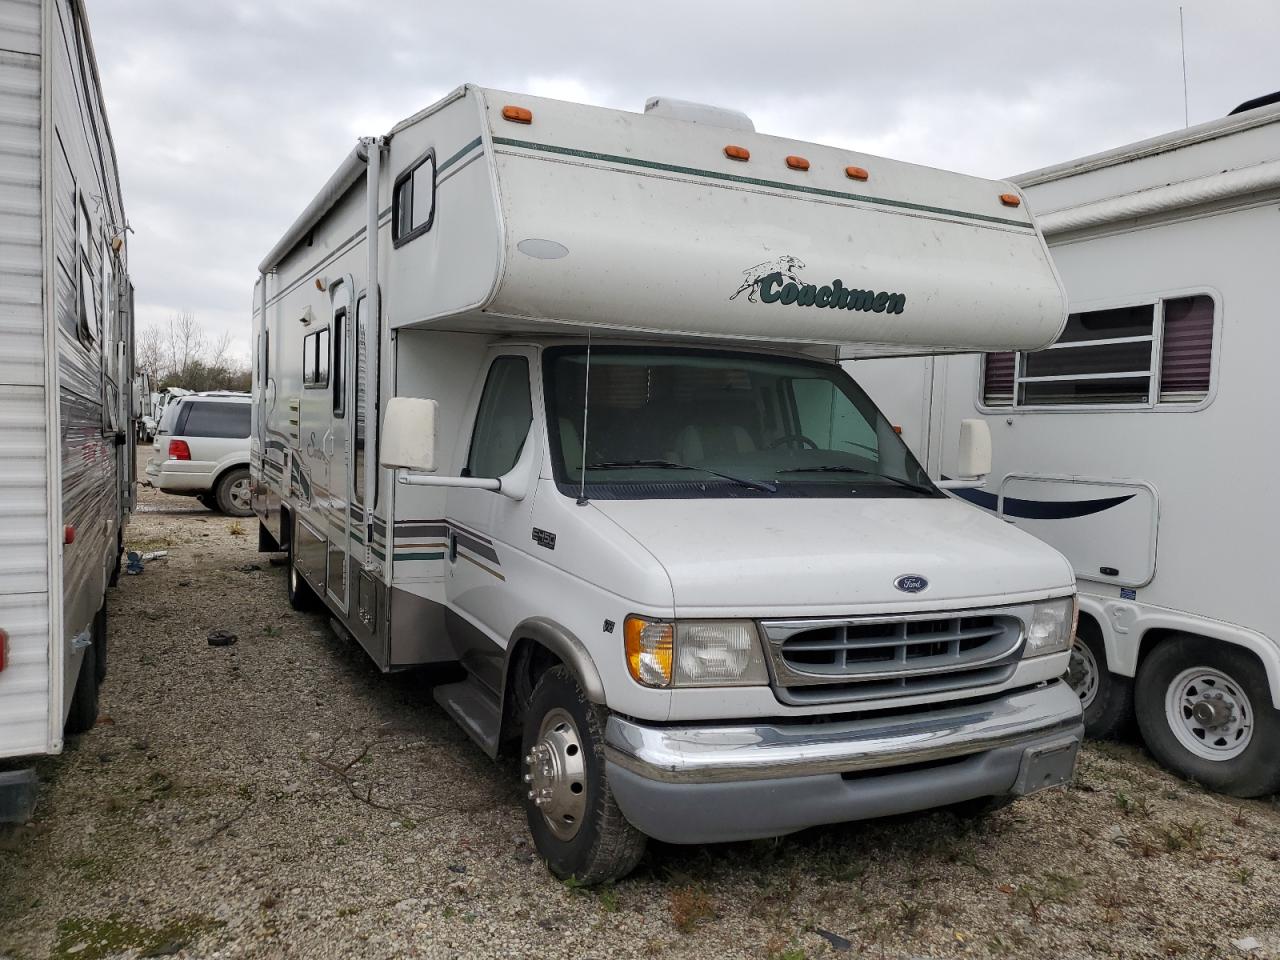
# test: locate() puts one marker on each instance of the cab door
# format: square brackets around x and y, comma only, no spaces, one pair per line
[485,526]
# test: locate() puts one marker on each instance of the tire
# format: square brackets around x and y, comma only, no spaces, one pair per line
[1231,746]
[1105,697]
[100,644]
[578,831]
[301,596]
[84,699]
[233,493]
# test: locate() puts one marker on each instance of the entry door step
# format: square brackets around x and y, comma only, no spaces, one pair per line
[475,709]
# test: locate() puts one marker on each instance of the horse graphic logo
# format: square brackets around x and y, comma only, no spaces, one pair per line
[784,266]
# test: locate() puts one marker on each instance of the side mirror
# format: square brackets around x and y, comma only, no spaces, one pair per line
[975,449]
[408,438]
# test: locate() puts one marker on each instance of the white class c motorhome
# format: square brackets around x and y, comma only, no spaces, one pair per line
[67,395]
[1110,444]
[587,437]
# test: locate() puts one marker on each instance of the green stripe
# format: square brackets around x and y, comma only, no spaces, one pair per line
[458,156]
[753,181]
[419,556]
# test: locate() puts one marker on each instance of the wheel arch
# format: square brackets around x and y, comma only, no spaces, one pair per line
[538,644]
[224,470]
[1262,650]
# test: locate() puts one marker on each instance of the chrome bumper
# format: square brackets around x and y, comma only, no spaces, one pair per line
[724,754]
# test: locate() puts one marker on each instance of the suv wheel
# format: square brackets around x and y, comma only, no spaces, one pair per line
[233,493]
[576,824]
[1105,697]
[1205,711]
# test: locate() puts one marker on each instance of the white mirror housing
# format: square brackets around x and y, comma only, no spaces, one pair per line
[975,449]
[408,438]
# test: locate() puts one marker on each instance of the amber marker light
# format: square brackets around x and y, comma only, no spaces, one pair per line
[797,163]
[1011,199]
[857,173]
[649,645]
[517,114]
[737,153]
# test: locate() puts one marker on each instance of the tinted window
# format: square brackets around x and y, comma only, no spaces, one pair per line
[338,379]
[503,420]
[366,340]
[226,420]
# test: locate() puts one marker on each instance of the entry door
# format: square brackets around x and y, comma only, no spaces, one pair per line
[483,522]
[337,448]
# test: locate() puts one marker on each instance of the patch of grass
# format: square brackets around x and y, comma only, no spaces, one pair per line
[1180,836]
[236,529]
[608,898]
[788,953]
[1242,876]
[1051,888]
[270,631]
[690,906]
[84,938]
[1129,806]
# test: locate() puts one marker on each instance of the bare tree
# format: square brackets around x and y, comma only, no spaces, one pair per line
[180,353]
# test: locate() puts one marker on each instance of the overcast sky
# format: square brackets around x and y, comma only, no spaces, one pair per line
[229,115]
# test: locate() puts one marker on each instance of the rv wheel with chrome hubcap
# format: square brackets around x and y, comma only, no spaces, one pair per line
[1205,711]
[576,825]
[556,774]
[1082,674]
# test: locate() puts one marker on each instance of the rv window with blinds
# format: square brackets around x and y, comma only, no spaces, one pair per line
[1146,355]
[413,200]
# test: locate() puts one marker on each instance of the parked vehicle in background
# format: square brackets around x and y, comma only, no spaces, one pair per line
[201,450]
[693,577]
[1112,443]
[67,404]
[159,402]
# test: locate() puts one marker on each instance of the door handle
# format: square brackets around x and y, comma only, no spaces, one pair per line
[328,443]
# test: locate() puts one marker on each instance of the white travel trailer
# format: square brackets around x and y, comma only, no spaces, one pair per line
[689,570]
[1110,443]
[66,383]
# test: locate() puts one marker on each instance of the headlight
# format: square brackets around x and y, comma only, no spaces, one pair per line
[1052,627]
[694,653]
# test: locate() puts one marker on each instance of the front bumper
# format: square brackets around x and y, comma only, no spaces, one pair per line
[703,784]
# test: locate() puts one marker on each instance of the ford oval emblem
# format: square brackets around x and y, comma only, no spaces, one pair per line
[911,583]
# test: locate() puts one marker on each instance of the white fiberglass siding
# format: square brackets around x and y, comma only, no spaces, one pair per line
[24,547]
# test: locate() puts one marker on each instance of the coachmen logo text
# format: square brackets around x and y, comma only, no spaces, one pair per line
[776,281]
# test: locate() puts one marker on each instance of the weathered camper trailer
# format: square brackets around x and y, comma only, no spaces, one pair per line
[1112,445]
[66,374]
[586,436]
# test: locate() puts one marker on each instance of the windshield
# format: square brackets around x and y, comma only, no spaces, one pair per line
[702,423]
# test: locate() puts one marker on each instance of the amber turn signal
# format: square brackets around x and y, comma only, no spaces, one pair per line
[737,153]
[797,163]
[857,173]
[1011,199]
[517,114]
[649,648]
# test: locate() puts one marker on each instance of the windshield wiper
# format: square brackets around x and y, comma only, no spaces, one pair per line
[834,468]
[764,485]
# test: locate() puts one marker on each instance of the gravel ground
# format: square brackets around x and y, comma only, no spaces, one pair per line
[281,798]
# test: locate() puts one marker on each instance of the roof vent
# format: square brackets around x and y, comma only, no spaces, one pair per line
[1256,102]
[699,113]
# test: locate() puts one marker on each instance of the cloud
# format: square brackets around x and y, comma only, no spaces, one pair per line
[227,117]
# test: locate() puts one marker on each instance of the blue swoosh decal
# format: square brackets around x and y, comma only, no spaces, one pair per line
[1041,509]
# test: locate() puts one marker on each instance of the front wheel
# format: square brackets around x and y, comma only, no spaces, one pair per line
[1205,711]
[301,596]
[576,824]
[1106,698]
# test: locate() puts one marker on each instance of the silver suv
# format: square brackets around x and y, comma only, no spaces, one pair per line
[201,450]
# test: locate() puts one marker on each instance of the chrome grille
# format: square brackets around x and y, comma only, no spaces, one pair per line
[824,661]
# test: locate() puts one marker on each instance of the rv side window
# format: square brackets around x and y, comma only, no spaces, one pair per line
[87,325]
[503,419]
[1142,355]
[315,359]
[338,379]
[414,200]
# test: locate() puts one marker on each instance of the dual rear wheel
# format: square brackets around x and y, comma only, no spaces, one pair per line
[1203,708]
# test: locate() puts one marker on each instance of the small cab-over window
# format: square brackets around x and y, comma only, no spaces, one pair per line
[413,200]
[1145,355]
[315,359]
